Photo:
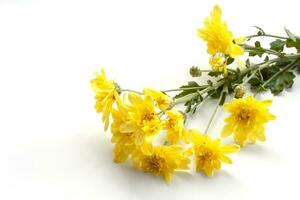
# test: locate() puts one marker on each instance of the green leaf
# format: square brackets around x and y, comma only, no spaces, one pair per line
[216,93]
[293,41]
[278,45]
[229,60]
[291,35]
[260,30]
[248,63]
[258,50]
[214,74]
[285,80]
[293,44]
[191,105]
[282,62]
[190,84]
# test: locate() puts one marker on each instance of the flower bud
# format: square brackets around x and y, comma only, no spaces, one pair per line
[239,91]
[195,71]
[218,62]
[118,88]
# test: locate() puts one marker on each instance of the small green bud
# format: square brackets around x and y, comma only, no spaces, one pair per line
[239,91]
[118,88]
[195,71]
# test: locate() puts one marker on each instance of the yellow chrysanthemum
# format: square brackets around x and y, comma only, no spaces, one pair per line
[162,101]
[143,120]
[219,39]
[210,153]
[247,119]
[218,63]
[124,141]
[106,94]
[163,161]
[174,126]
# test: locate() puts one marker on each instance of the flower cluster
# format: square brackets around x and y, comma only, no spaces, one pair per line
[150,131]
[138,119]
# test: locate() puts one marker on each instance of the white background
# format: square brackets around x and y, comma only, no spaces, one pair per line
[52,145]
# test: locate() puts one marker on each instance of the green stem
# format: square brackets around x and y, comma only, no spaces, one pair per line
[195,94]
[189,88]
[266,35]
[257,67]
[220,103]
[280,72]
[250,48]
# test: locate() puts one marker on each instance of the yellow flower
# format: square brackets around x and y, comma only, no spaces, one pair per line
[210,153]
[143,120]
[219,39]
[162,101]
[247,119]
[163,161]
[218,63]
[124,141]
[106,93]
[175,127]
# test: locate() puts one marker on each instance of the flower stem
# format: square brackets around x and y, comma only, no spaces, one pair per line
[289,66]
[266,35]
[188,88]
[195,94]
[257,67]
[250,48]
[220,103]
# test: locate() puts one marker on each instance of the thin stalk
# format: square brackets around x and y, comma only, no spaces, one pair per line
[266,35]
[222,96]
[181,89]
[250,48]
[280,72]
[258,66]
[193,95]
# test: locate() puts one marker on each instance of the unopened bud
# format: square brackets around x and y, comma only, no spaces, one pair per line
[239,91]
[195,71]
[218,62]
[118,88]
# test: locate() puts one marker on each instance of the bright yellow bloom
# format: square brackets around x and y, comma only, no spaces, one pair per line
[210,153]
[247,119]
[219,39]
[162,101]
[175,127]
[106,93]
[163,161]
[124,141]
[218,63]
[143,120]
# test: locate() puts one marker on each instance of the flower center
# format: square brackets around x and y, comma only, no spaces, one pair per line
[205,155]
[244,115]
[129,135]
[148,116]
[154,164]
[218,62]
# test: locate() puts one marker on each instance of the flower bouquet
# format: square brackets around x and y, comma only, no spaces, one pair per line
[137,118]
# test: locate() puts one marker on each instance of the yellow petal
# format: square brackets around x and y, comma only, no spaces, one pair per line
[147,148]
[236,50]
[127,127]
[216,13]
[230,148]
[120,155]
[227,130]
[225,159]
